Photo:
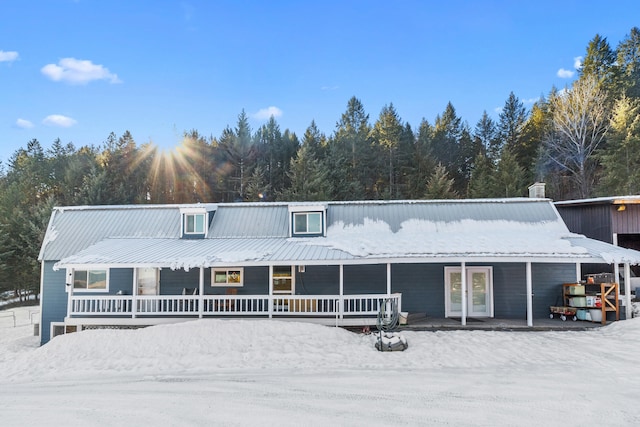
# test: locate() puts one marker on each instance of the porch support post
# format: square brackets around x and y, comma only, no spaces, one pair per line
[201,294]
[529,296]
[578,272]
[134,294]
[270,302]
[463,285]
[341,299]
[388,279]
[627,291]
[69,284]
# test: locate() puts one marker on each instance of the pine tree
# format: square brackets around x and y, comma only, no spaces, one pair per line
[440,186]
[509,179]
[481,184]
[510,127]
[628,63]
[308,177]
[621,159]
[386,136]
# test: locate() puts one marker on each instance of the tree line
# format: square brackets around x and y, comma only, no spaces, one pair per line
[582,141]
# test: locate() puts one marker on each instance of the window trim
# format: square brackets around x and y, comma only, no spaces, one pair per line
[87,271]
[186,217]
[320,232]
[227,283]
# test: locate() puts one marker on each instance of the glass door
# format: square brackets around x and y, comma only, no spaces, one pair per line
[479,291]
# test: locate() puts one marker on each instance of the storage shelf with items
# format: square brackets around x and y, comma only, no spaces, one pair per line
[592,301]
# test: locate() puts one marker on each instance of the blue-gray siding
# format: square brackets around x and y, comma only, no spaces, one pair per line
[53,299]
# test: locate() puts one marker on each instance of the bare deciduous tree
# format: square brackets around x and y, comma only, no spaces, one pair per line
[580,121]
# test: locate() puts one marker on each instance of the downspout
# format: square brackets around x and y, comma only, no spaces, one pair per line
[529,296]
[463,285]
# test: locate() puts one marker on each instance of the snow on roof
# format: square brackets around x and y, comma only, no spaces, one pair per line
[357,232]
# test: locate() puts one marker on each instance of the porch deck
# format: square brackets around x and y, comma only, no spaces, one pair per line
[421,322]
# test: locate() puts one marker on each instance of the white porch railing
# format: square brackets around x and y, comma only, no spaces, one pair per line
[229,305]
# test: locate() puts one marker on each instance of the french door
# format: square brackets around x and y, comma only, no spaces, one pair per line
[479,301]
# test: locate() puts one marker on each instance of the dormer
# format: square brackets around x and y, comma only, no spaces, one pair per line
[194,222]
[307,220]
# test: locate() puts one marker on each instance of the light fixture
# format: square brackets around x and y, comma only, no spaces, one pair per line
[621,208]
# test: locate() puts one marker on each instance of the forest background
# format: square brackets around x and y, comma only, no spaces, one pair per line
[581,141]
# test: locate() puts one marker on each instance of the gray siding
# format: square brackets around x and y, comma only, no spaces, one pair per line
[318,280]
[547,285]
[422,287]
[510,291]
[627,221]
[593,221]
[53,301]
[365,279]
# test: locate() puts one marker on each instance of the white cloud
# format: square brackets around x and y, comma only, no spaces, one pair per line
[78,71]
[498,110]
[266,113]
[329,87]
[577,62]
[565,74]
[59,121]
[530,100]
[8,56]
[24,124]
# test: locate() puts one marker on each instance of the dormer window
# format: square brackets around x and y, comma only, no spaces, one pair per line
[194,223]
[307,221]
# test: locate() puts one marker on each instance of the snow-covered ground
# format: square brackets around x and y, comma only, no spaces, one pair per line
[268,373]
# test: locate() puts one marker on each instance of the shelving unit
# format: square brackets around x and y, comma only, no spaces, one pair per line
[593,296]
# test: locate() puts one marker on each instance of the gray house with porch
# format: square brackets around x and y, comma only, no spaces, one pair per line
[334,263]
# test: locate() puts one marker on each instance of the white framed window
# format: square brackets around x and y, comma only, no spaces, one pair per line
[194,223]
[307,223]
[227,277]
[91,280]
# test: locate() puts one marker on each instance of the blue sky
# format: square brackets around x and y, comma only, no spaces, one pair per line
[80,69]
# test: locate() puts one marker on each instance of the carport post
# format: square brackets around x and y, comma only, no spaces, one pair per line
[201,294]
[463,285]
[627,291]
[529,296]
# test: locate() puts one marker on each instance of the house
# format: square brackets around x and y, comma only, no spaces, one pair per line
[335,262]
[614,220]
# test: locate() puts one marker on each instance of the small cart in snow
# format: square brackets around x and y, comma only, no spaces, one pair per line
[563,312]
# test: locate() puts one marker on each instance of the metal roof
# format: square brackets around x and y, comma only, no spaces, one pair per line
[395,213]
[252,221]
[257,233]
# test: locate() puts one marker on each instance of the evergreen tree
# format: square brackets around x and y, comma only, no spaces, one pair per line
[509,179]
[510,127]
[240,153]
[620,161]
[599,64]
[628,63]
[308,177]
[440,186]
[481,183]
[350,155]
[387,136]
[423,161]
[486,133]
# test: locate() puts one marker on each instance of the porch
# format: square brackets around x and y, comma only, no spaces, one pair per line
[341,310]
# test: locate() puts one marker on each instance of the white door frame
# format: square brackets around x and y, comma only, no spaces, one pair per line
[467,299]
